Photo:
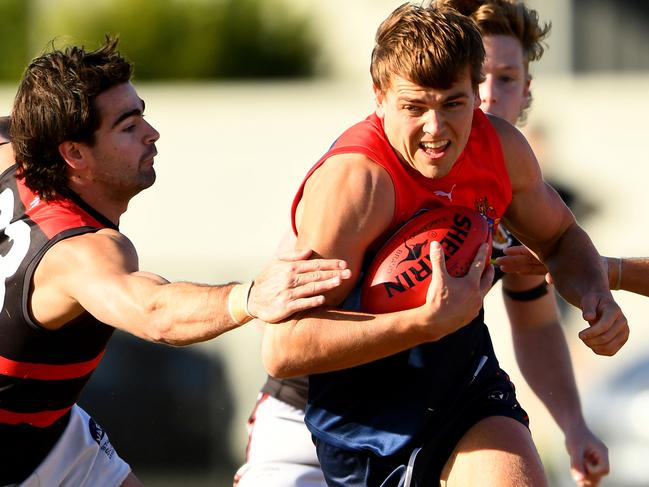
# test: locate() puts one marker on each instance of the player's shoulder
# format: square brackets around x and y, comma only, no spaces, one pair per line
[353,172]
[96,239]
[517,153]
[105,247]
[354,191]
[75,265]
[507,133]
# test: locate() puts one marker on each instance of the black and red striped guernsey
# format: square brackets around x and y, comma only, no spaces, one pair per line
[42,372]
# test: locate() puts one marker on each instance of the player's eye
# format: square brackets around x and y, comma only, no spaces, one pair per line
[414,109]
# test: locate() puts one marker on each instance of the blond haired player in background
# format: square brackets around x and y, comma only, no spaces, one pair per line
[513,36]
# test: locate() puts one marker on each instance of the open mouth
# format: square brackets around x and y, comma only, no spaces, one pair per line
[435,148]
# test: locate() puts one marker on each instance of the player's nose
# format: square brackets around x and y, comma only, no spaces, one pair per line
[487,92]
[434,122]
[152,135]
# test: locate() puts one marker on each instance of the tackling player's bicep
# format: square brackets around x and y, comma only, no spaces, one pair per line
[95,272]
[536,215]
[347,203]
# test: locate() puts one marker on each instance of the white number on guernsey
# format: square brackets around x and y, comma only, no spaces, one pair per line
[18,233]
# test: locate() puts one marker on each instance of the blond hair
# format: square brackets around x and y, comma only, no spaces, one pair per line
[506,17]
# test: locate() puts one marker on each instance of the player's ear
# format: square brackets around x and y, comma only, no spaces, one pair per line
[379,99]
[72,154]
[527,91]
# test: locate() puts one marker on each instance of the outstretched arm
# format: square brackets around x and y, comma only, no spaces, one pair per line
[98,272]
[630,273]
[624,273]
[544,360]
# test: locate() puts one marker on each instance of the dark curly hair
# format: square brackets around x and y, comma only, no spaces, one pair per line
[55,102]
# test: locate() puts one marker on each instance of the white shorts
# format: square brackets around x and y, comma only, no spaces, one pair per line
[82,457]
[280,450]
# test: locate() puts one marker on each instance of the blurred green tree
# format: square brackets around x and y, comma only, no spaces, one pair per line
[13,38]
[263,40]
[171,39]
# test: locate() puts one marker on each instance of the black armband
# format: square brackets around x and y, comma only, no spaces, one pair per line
[528,295]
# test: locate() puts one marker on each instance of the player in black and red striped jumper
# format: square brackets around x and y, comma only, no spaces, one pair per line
[82,149]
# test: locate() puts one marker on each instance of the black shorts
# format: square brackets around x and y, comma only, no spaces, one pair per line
[490,395]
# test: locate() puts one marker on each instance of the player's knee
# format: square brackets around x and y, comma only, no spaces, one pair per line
[496,451]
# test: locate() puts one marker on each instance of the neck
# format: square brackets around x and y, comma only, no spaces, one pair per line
[7,158]
[102,203]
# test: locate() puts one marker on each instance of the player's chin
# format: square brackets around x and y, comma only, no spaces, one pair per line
[434,169]
[147,178]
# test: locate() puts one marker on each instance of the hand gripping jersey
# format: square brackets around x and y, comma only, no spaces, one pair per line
[42,372]
[389,405]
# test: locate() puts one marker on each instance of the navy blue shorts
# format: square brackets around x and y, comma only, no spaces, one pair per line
[422,465]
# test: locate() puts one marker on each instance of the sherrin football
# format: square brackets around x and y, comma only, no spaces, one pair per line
[399,276]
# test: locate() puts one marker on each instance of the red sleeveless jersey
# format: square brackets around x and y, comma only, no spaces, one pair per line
[477,180]
[42,372]
[349,409]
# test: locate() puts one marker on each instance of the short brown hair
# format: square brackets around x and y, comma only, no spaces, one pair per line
[507,17]
[55,102]
[430,45]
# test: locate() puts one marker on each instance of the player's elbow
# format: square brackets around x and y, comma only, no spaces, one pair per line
[158,328]
[277,359]
[276,363]
[159,331]
[278,369]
